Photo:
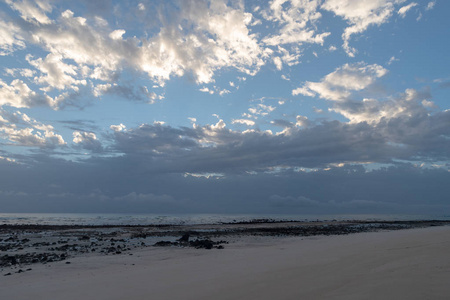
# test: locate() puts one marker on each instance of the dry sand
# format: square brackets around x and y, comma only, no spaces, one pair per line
[404,264]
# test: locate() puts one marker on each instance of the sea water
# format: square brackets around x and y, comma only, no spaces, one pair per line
[186,219]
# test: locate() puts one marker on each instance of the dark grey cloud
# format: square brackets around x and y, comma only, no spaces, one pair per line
[80,125]
[108,185]
[178,150]
[131,92]
[318,169]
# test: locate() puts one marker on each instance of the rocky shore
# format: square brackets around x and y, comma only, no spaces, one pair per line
[21,246]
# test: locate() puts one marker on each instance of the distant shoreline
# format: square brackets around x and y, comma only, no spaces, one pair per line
[413,223]
[125,219]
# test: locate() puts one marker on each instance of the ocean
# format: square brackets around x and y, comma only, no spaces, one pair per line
[186,219]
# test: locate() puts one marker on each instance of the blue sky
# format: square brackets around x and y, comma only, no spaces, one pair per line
[319,106]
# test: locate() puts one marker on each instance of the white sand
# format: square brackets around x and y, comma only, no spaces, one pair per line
[406,264]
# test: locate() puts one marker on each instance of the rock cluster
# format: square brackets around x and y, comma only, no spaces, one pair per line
[29,244]
[184,241]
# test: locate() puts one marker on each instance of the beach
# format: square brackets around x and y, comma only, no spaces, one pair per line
[376,264]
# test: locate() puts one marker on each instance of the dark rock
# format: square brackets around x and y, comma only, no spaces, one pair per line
[184,238]
[9,260]
[111,249]
[202,244]
[165,244]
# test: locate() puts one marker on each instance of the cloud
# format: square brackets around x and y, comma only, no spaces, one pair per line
[87,140]
[205,175]
[196,38]
[399,189]
[406,132]
[119,127]
[339,85]
[134,198]
[141,6]
[22,130]
[292,202]
[18,94]
[372,111]
[117,34]
[10,38]
[296,20]
[391,60]
[317,110]
[214,90]
[430,5]
[428,104]
[16,72]
[404,9]
[278,63]
[261,109]
[391,150]
[297,23]
[304,167]
[83,49]
[131,92]
[302,121]
[206,90]
[56,73]
[282,123]
[32,11]
[360,15]
[204,43]
[243,121]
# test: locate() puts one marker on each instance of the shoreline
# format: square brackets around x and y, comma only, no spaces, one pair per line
[393,264]
[22,246]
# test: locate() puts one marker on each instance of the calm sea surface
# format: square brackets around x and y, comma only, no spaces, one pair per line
[180,219]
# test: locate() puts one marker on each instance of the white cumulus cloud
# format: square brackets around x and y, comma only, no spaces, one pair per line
[21,130]
[243,121]
[87,140]
[10,38]
[339,84]
[360,15]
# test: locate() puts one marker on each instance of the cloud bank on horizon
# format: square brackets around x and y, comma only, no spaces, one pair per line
[289,106]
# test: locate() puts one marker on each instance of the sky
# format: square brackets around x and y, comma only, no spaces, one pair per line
[283,106]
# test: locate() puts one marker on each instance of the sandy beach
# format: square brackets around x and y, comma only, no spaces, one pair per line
[401,264]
